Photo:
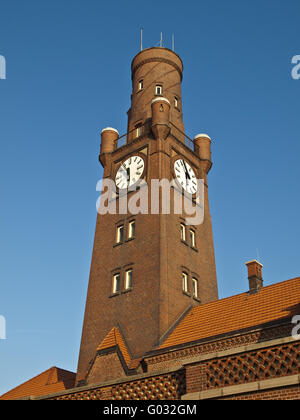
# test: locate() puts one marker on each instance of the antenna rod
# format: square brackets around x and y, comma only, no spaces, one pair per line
[161,39]
[141,39]
[173,42]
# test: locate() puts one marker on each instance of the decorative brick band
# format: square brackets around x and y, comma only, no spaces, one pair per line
[166,358]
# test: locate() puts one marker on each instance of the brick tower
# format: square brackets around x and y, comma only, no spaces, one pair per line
[147,270]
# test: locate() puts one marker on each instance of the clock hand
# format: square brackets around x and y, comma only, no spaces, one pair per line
[187,175]
[128,175]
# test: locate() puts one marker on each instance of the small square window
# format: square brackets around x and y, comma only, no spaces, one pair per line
[192,237]
[195,287]
[116,283]
[158,90]
[141,84]
[182,231]
[128,280]
[184,282]
[120,234]
[131,230]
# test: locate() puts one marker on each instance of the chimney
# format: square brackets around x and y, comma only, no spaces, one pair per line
[254,276]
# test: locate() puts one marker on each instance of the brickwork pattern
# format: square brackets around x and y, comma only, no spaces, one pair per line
[253,366]
[163,387]
[94,394]
[169,386]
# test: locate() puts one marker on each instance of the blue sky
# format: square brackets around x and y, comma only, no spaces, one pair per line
[68,76]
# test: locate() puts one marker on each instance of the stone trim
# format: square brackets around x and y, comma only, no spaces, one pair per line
[244,388]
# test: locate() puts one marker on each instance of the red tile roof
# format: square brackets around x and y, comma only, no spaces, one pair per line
[114,339]
[272,303]
[52,380]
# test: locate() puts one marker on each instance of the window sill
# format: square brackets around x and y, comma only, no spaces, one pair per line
[184,242]
[127,290]
[194,249]
[114,294]
[130,239]
[196,299]
[186,293]
[117,244]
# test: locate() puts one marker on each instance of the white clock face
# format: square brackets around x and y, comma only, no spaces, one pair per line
[130,172]
[185,175]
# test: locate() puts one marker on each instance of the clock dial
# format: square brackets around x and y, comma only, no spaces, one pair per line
[185,176]
[130,172]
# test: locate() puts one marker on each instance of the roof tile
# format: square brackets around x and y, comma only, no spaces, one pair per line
[270,304]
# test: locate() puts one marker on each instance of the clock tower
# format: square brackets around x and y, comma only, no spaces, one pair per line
[148,268]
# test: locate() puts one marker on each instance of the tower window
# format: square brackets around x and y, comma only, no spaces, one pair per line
[192,237]
[116,283]
[182,231]
[141,85]
[176,102]
[131,229]
[120,234]
[128,279]
[184,282]
[158,90]
[195,287]
[138,132]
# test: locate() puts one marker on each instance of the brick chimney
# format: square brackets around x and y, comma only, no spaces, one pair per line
[254,276]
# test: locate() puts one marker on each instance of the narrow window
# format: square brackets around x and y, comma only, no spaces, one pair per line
[120,234]
[116,283]
[182,231]
[131,230]
[138,131]
[176,102]
[184,282]
[158,90]
[128,280]
[192,237]
[141,84]
[195,287]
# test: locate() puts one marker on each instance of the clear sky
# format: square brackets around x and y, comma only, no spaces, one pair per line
[68,76]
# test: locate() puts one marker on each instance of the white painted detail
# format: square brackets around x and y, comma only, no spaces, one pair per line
[161,99]
[109,129]
[202,135]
